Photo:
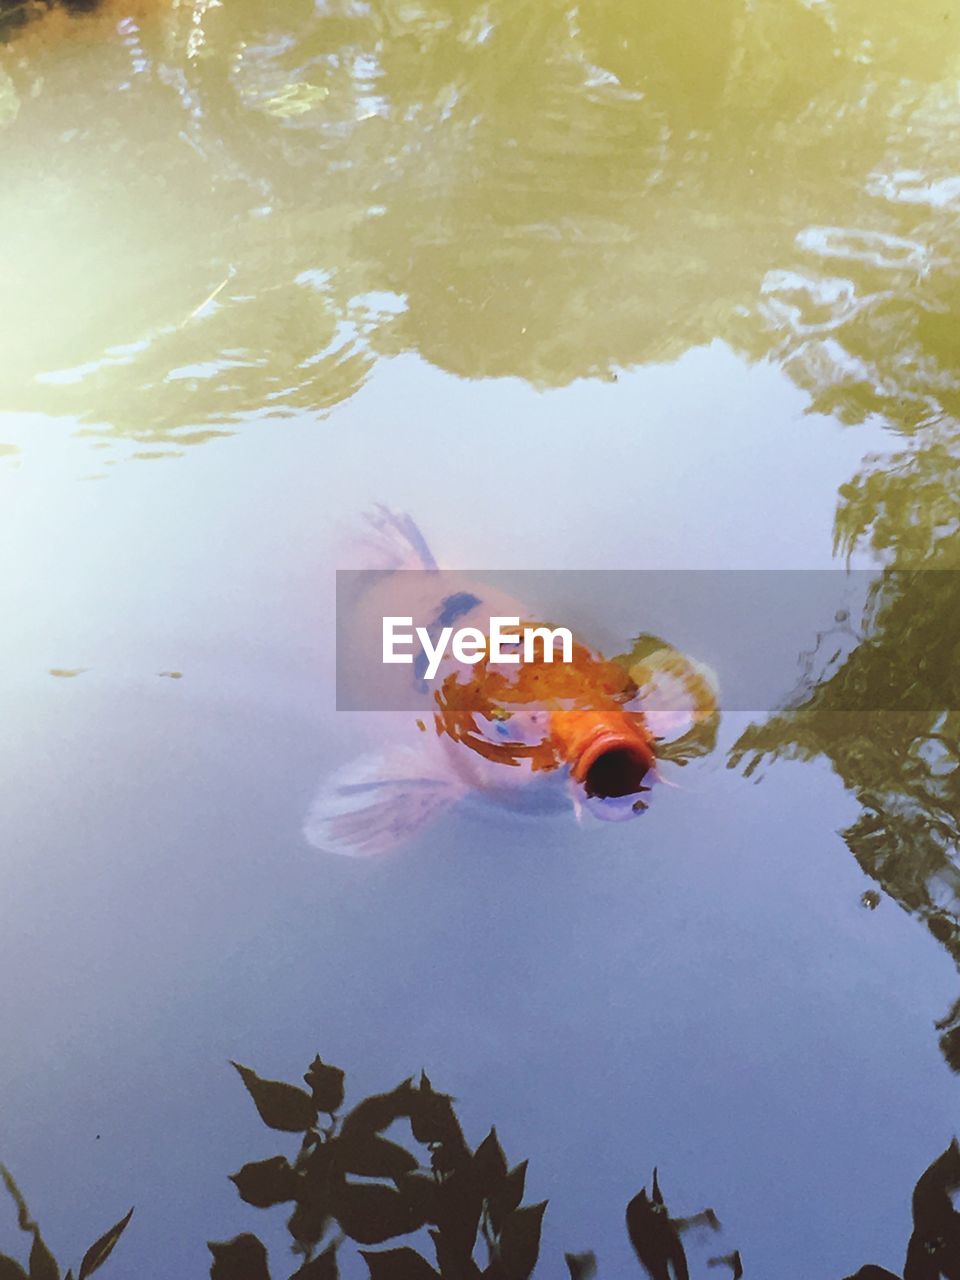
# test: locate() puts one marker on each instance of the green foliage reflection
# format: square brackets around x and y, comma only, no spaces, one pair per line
[902,765]
[544,191]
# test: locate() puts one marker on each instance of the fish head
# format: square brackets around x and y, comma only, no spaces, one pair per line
[609,754]
[601,724]
[566,719]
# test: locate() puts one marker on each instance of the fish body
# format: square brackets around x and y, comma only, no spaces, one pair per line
[534,736]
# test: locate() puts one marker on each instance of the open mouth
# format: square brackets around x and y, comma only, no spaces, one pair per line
[611,767]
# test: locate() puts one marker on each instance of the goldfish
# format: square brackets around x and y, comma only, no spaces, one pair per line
[531,731]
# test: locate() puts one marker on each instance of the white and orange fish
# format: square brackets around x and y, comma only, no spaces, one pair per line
[585,734]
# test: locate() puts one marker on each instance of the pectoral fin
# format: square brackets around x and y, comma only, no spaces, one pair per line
[678,698]
[377,802]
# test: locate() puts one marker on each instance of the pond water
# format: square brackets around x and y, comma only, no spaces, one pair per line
[587,287]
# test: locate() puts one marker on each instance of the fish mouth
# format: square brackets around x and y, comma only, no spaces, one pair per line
[612,764]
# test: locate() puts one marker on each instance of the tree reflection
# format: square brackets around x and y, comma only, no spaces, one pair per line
[349,1184]
[888,721]
[545,191]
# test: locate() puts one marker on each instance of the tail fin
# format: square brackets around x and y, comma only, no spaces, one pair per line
[378,802]
[389,540]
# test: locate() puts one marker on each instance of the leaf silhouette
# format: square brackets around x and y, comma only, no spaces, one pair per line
[317,1182]
[371,1214]
[455,1264]
[508,1196]
[582,1266]
[24,1221]
[265,1182]
[308,1222]
[370,1156]
[377,1112]
[326,1085]
[43,1265]
[398,1264]
[926,1259]
[422,1192]
[932,1203]
[654,1237]
[489,1165]
[280,1105]
[434,1122]
[323,1267]
[934,1247]
[520,1241]
[242,1258]
[735,1263]
[871,1272]
[101,1249]
[460,1204]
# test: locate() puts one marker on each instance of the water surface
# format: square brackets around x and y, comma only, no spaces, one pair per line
[579,289]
